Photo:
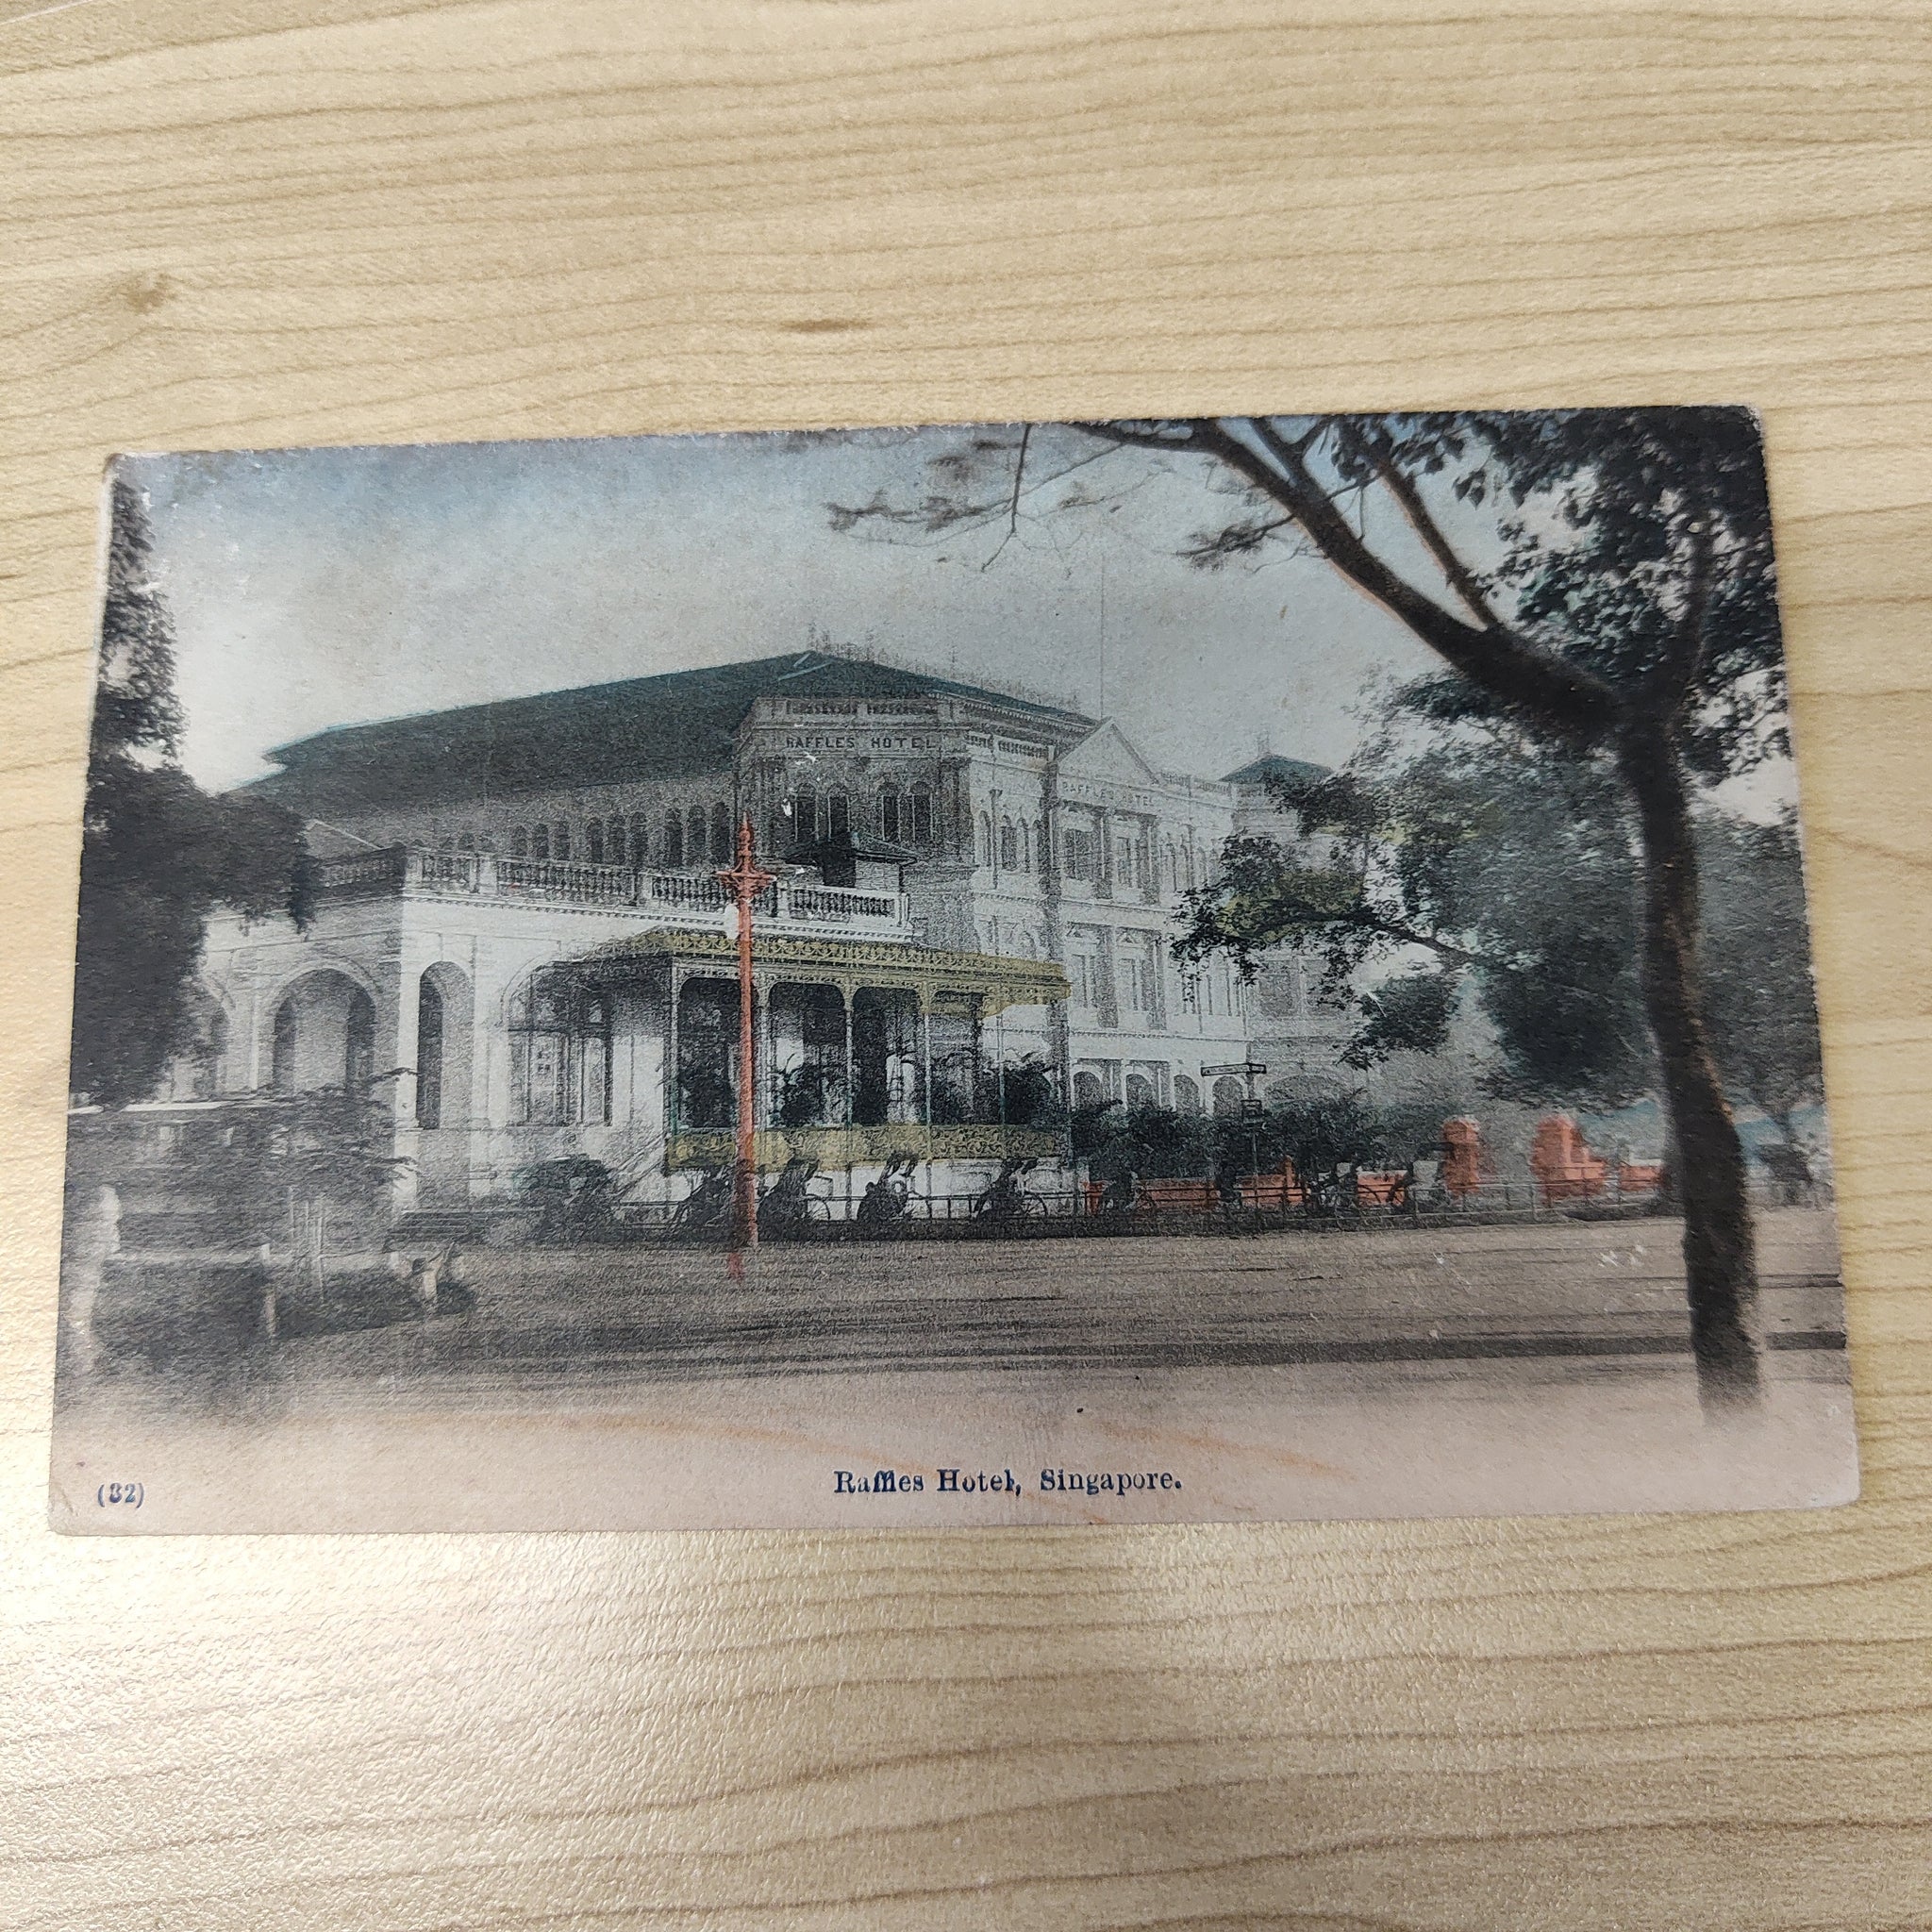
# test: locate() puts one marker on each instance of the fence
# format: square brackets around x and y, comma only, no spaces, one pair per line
[833,1209]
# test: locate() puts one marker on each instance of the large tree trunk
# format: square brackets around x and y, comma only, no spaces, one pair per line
[1720,1255]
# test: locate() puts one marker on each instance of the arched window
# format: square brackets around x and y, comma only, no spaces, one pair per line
[1139,1091]
[838,815]
[889,812]
[1188,865]
[540,842]
[1025,847]
[1228,1095]
[560,1053]
[519,843]
[428,1054]
[921,829]
[614,845]
[594,841]
[696,839]
[639,840]
[560,840]
[1010,847]
[805,816]
[721,834]
[674,840]
[1087,1092]
[324,1038]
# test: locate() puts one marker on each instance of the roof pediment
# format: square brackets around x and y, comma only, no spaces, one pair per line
[1107,752]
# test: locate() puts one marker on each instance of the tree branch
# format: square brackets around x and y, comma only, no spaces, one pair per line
[1013,503]
[940,517]
[1564,698]
[1409,500]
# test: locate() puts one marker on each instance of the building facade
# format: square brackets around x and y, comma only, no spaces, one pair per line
[519,927]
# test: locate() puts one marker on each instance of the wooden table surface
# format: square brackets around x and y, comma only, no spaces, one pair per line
[259,222]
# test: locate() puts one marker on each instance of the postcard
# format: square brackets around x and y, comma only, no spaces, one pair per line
[1064,973]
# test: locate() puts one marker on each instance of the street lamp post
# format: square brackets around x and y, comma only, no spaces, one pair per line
[1251,1109]
[745,881]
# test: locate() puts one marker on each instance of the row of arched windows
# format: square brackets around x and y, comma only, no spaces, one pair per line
[700,835]
[1020,843]
[1021,846]
[901,815]
[1142,1091]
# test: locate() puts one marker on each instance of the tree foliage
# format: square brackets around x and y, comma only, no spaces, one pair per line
[1321,1135]
[157,852]
[331,1146]
[1476,861]
[1758,964]
[1601,581]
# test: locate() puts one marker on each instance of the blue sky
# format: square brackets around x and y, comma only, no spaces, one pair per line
[313,588]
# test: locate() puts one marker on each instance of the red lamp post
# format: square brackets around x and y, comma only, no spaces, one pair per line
[745,881]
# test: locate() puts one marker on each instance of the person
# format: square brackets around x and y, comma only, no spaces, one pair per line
[1788,1163]
[93,1239]
[708,1203]
[1227,1181]
[788,1203]
[422,1273]
[886,1198]
[1005,1199]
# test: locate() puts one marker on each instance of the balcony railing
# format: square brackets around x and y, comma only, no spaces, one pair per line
[669,898]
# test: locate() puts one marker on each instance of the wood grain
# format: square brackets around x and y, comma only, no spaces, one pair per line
[259,222]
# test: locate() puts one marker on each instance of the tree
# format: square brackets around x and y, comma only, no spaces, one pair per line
[1513,871]
[330,1148]
[1618,605]
[157,852]
[1490,860]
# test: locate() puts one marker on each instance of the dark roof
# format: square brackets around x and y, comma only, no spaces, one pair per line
[1273,765]
[677,725]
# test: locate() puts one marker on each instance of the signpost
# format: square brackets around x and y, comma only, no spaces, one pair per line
[1249,1071]
[1252,1109]
[745,881]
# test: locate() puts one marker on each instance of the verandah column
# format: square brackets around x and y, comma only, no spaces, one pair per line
[923,998]
[847,989]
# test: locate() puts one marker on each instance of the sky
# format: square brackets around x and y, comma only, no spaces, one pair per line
[325,587]
[316,587]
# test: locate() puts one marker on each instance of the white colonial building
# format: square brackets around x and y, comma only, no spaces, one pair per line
[519,927]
